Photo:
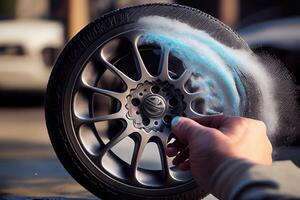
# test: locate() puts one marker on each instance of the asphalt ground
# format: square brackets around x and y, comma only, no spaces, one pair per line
[29,168]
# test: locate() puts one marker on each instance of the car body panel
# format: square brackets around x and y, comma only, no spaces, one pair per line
[22,66]
[282,33]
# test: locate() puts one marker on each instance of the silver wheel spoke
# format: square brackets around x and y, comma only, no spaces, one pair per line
[117,115]
[164,64]
[115,140]
[137,155]
[190,97]
[191,113]
[185,76]
[126,79]
[166,162]
[144,74]
[116,95]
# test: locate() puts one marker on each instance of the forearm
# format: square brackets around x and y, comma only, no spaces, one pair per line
[238,179]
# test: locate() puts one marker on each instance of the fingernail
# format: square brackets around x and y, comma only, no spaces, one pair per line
[175,121]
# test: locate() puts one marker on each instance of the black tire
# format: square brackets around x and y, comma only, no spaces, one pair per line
[68,66]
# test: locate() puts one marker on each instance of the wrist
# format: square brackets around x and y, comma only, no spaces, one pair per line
[225,177]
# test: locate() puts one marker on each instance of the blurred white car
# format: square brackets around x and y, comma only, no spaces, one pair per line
[28,49]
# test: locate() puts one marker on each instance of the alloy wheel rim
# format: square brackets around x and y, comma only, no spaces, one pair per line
[139,132]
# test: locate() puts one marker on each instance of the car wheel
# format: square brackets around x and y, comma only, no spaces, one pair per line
[109,99]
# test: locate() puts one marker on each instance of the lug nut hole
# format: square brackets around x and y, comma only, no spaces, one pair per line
[167,119]
[146,121]
[156,123]
[155,89]
[173,102]
[135,102]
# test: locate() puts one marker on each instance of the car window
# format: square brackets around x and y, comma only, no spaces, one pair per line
[14,50]
[49,55]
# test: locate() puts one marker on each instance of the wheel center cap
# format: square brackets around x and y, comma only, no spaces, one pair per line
[153,106]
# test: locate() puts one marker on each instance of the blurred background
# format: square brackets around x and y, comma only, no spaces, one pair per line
[33,32]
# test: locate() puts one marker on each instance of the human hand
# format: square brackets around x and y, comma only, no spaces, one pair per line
[205,143]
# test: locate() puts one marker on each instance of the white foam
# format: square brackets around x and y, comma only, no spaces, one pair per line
[248,64]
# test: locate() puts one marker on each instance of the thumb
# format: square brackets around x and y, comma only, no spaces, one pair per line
[185,129]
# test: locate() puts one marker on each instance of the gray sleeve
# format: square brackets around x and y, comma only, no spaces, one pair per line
[239,179]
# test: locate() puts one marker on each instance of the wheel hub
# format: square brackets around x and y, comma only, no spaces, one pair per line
[152,105]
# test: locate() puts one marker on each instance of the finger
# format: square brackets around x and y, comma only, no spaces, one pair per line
[212,121]
[171,151]
[174,147]
[177,144]
[181,157]
[185,165]
[229,125]
[184,128]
